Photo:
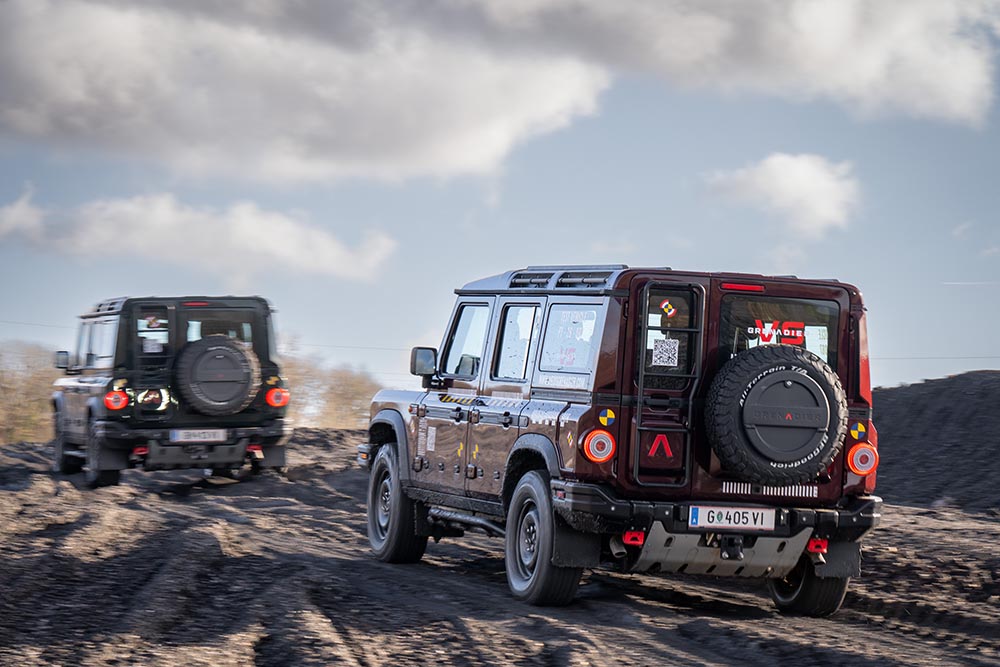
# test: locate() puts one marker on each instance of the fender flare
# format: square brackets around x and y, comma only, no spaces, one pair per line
[394,421]
[59,404]
[541,445]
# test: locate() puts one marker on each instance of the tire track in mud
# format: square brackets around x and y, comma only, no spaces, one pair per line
[172,569]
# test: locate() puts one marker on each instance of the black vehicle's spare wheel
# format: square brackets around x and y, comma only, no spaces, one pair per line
[776,415]
[218,376]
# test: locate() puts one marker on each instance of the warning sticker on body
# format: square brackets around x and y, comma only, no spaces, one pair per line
[431,437]
[665,352]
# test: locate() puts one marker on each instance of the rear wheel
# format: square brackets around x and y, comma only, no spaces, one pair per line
[802,592]
[391,515]
[95,452]
[528,547]
[62,461]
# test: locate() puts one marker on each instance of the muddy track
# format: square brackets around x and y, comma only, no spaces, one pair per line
[169,569]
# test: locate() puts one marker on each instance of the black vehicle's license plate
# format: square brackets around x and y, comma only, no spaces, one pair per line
[198,435]
[746,518]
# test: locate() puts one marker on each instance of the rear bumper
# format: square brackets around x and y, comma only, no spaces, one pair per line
[123,436]
[592,508]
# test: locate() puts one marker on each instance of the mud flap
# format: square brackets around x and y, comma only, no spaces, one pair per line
[274,457]
[572,548]
[843,559]
[113,459]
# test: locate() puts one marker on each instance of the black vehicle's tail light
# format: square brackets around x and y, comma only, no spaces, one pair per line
[115,400]
[862,459]
[599,446]
[277,397]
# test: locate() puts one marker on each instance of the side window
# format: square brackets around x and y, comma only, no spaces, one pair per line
[83,342]
[515,338]
[569,344]
[152,327]
[668,339]
[102,343]
[465,349]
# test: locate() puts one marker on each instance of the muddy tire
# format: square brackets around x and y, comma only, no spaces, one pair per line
[528,547]
[391,515]
[62,462]
[96,477]
[802,593]
[217,376]
[776,415]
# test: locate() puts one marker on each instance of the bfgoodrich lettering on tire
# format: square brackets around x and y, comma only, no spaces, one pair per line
[776,415]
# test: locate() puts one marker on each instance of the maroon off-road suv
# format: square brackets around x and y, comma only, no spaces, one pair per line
[647,420]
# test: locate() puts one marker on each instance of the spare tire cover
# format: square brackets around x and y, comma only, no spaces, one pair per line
[776,415]
[218,376]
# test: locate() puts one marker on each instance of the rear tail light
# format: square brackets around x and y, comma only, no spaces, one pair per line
[277,397]
[599,446]
[115,400]
[862,459]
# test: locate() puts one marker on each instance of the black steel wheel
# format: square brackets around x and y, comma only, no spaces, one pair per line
[528,547]
[391,515]
[802,593]
[96,477]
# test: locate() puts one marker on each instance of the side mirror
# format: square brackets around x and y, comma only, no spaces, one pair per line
[62,359]
[423,361]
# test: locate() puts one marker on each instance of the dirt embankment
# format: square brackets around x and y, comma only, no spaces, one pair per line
[170,569]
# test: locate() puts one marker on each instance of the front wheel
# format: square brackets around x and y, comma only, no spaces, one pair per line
[528,547]
[95,452]
[391,515]
[801,592]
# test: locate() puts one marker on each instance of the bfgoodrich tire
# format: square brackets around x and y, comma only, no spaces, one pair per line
[62,461]
[95,454]
[391,515]
[777,415]
[528,547]
[801,592]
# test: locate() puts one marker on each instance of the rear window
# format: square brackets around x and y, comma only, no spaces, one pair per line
[749,321]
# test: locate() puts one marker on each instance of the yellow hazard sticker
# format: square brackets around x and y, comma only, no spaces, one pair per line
[859,432]
[475,452]
[461,448]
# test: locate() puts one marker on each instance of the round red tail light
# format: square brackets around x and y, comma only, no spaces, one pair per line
[115,400]
[862,459]
[599,446]
[277,397]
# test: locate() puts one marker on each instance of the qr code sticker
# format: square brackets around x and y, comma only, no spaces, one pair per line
[665,352]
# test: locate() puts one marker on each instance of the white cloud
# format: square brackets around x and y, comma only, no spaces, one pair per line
[962,230]
[808,193]
[235,242]
[314,91]
[22,216]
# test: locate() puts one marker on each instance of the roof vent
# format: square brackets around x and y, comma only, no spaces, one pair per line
[524,279]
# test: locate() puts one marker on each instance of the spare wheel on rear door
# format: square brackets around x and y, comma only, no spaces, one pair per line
[218,376]
[776,415]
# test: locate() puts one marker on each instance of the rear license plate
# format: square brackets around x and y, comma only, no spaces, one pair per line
[198,435]
[742,518]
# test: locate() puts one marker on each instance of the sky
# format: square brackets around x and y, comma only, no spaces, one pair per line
[355,162]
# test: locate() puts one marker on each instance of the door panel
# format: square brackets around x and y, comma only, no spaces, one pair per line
[495,418]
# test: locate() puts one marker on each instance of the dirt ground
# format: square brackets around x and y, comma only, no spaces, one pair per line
[171,569]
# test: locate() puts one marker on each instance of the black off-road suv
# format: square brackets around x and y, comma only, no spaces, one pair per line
[646,420]
[163,383]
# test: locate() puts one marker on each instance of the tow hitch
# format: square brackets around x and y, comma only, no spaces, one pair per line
[731,547]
